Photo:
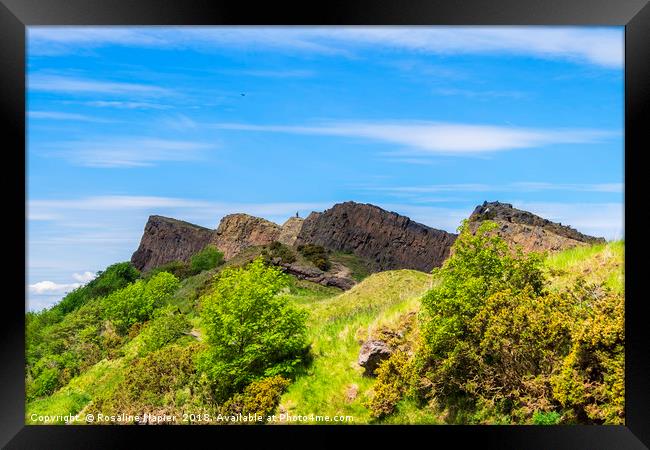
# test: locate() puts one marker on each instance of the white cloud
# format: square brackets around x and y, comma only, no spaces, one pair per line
[84,277]
[70,85]
[128,152]
[49,287]
[577,187]
[270,73]
[126,105]
[507,187]
[55,115]
[437,137]
[480,95]
[598,46]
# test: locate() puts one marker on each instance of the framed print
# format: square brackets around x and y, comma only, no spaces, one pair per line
[269,222]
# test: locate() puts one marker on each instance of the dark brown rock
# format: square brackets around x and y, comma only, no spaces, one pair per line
[315,275]
[165,240]
[386,239]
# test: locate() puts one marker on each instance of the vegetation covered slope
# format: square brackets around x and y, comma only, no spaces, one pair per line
[80,361]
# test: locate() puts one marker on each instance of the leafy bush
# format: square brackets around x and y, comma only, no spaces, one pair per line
[46,383]
[116,276]
[164,329]
[277,250]
[252,332]
[260,397]
[136,302]
[152,383]
[179,269]
[206,259]
[546,418]
[393,379]
[592,377]
[497,343]
[316,254]
[479,266]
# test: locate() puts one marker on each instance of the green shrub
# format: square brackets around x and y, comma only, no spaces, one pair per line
[393,379]
[277,250]
[592,377]
[116,276]
[206,259]
[156,383]
[252,332]
[136,302]
[546,418]
[259,398]
[484,325]
[179,269]
[164,329]
[45,384]
[479,266]
[316,254]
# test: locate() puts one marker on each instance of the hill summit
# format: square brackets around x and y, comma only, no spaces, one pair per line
[380,239]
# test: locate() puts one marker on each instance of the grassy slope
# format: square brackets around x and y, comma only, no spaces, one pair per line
[337,320]
[602,262]
[334,326]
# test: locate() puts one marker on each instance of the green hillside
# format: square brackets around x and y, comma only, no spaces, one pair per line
[79,361]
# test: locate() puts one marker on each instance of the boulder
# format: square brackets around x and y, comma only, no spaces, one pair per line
[372,353]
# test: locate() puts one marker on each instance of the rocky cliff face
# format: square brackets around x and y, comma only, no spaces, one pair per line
[531,232]
[290,231]
[165,240]
[388,240]
[385,239]
[239,231]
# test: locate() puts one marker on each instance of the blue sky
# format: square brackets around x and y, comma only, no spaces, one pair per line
[199,122]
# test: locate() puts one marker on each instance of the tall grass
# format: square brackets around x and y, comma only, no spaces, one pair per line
[334,383]
[601,262]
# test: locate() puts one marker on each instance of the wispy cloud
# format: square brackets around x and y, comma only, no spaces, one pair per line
[438,138]
[577,187]
[56,115]
[297,73]
[128,152]
[480,95]
[126,105]
[598,46]
[54,209]
[72,85]
[507,187]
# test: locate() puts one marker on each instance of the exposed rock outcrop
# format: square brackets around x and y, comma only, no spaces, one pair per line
[239,231]
[387,239]
[290,231]
[372,353]
[166,239]
[531,232]
[337,276]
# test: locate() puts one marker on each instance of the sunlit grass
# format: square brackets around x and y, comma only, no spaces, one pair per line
[334,383]
[601,262]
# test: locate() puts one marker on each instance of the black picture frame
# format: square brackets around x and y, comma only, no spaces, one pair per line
[16,15]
